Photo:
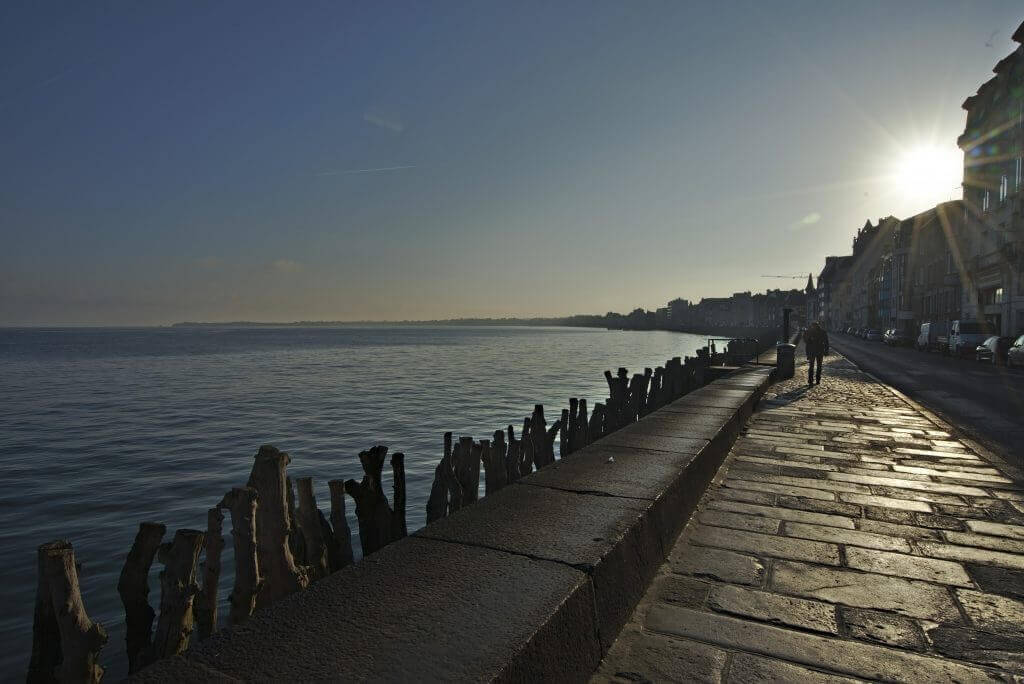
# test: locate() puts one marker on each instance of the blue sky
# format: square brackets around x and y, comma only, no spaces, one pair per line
[286,161]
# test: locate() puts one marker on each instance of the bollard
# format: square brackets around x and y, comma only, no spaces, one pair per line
[785,360]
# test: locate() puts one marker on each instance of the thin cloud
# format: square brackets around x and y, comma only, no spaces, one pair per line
[209,262]
[380,119]
[808,220]
[351,171]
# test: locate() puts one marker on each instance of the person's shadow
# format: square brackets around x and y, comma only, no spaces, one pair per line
[786,398]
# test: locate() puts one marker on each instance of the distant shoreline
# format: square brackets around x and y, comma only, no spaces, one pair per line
[338,324]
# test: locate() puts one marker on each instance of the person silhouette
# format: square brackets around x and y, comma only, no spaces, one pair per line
[816,343]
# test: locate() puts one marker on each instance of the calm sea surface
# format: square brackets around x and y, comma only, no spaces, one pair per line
[101,429]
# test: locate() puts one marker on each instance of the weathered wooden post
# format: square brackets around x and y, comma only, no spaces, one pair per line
[206,601]
[596,426]
[495,468]
[398,527]
[581,434]
[372,510]
[76,639]
[308,519]
[296,543]
[528,449]
[281,575]
[439,502]
[513,457]
[46,652]
[133,587]
[565,436]
[242,503]
[178,589]
[342,532]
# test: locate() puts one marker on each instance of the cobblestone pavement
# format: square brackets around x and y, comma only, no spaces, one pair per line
[850,535]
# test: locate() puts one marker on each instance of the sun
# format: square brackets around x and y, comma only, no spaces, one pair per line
[928,174]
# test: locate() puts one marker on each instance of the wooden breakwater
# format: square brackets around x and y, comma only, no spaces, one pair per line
[282,542]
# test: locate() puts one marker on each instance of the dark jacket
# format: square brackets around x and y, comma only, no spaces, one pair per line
[816,341]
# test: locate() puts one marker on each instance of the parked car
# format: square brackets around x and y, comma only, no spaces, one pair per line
[1015,354]
[965,336]
[993,350]
[873,336]
[898,338]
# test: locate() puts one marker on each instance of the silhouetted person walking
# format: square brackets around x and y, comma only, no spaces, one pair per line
[816,342]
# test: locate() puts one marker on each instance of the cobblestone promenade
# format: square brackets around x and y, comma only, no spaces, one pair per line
[849,536]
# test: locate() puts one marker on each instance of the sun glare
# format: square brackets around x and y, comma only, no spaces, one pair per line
[928,174]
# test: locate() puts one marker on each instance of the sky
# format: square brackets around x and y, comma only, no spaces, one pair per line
[201,161]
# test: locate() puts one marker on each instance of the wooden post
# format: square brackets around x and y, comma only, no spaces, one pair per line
[281,576]
[543,441]
[398,527]
[308,520]
[342,532]
[242,503]
[528,449]
[513,456]
[177,593]
[80,638]
[439,502]
[596,426]
[466,468]
[372,510]
[296,543]
[565,438]
[46,651]
[133,587]
[581,437]
[206,601]
[495,466]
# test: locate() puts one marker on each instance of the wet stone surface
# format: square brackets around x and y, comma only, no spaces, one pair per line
[850,535]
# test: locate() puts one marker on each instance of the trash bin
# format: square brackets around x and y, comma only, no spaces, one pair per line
[785,360]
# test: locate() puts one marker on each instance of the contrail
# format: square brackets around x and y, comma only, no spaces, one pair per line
[383,168]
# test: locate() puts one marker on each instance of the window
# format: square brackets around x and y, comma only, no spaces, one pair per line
[984,200]
[1004,187]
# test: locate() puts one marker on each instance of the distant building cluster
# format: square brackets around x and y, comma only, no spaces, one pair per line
[960,260]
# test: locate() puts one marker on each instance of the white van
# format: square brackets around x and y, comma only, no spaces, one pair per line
[966,336]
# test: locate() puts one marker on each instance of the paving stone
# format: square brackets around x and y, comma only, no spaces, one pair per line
[774,608]
[991,611]
[865,590]
[937,454]
[814,483]
[846,657]
[839,536]
[679,590]
[950,473]
[998,529]
[785,462]
[914,495]
[788,490]
[891,629]
[745,469]
[884,472]
[996,650]
[747,667]
[766,545]
[740,521]
[962,512]
[764,498]
[717,564]
[958,467]
[863,467]
[1008,495]
[985,541]
[898,483]
[896,530]
[645,657]
[970,554]
[818,506]
[797,471]
[904,565]
[994,580]
[780,513]
[885,502]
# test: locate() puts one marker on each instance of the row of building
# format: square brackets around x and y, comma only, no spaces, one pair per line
[959,260]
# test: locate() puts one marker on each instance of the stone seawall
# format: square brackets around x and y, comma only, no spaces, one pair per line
[532,582]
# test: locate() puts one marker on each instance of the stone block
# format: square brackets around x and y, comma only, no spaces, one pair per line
[896,530]
[774,608]
[971,554]
[765,545]
[984,541]
[410,611]
[679,590]
[816,506]
[739,521]
[779,513]
[717,564]
[890,629]
[788,490]
[764,498]
[992,612]
[612,539]
[1003,651]
[849,537]
[995,580]
[885,502]
[865,590]
[911,567]
[996,529]
[640,440]
[751,668]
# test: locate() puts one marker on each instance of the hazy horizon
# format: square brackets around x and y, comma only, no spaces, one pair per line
[239,161]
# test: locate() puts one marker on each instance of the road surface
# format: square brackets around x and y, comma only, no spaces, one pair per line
[985,401]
